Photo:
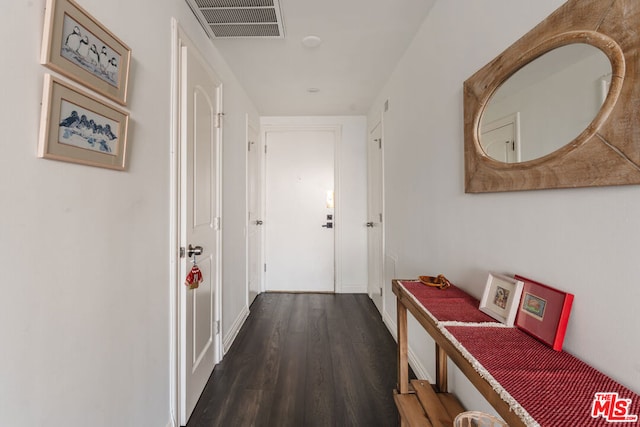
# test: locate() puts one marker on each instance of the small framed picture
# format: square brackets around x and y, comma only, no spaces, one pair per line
[544,312]
[77,128]
[501,298]
[77,45]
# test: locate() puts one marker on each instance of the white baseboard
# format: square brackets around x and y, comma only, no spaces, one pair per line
[235,328]
[417,366]
[353,289]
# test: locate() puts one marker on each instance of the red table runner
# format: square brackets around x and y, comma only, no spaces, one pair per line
[451,304]
[555,388]
[543,386]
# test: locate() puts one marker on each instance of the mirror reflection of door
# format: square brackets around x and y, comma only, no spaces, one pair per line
[500,139]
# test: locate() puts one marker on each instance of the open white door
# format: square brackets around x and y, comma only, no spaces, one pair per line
[255,215]
[374,215]
[500,139]
[300,211]
[200,94]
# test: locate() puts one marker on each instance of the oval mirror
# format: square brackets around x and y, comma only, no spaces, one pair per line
[546,104]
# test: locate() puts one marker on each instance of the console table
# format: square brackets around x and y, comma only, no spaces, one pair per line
[528,383]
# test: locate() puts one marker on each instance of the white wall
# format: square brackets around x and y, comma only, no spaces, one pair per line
[84,312]
[351,203]
[584,241]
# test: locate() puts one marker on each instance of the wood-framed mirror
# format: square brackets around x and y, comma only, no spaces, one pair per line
[606,150]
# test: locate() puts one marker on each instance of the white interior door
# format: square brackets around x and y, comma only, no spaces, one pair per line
[200,94]
[500,139]
[374,215]
[255,215]
[299,211]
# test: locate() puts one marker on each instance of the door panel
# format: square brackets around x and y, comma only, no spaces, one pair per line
[202,303]
[255,216]
[374,216]
[300,185]
[199,338]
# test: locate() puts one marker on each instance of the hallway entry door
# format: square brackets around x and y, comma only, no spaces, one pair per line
[200,104]
[300,222]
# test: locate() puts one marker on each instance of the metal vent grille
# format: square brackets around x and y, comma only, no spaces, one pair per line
[239,18]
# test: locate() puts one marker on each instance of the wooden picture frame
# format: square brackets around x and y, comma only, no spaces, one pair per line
[544,312]
[501,298]
[75,127]
[76,45]
[607,151]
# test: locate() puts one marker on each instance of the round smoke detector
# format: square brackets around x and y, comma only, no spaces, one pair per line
[311,41]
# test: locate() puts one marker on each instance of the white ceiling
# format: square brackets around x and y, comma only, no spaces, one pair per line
[362,41]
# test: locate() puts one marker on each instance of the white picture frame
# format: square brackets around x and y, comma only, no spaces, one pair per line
[501,298]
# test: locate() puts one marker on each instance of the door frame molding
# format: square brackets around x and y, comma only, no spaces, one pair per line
[337,242]
[178,40]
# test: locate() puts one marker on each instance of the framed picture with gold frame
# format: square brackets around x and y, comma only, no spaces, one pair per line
[501,298]
[76,45]
[75,127]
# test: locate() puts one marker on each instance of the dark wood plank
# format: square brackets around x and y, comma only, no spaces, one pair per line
[305,359]
[320,380]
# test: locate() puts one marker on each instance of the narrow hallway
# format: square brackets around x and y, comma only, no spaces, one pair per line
[305,360]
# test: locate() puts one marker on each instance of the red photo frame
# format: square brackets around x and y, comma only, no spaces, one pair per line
[544,312]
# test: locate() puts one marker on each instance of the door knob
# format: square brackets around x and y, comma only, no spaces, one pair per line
[191,251]
[370,224]
[328,225]
[259,222]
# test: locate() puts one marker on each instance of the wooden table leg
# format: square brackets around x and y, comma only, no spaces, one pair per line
[403,358]
[441,370]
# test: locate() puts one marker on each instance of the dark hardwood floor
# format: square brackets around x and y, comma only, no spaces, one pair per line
[305,360]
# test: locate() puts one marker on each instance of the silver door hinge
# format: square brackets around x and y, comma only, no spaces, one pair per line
[265,267]
[218,121]
[265,149]
[217,327]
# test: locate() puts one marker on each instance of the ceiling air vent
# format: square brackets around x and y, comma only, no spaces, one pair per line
[239,18]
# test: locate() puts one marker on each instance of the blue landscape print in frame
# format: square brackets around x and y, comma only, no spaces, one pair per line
[85,129]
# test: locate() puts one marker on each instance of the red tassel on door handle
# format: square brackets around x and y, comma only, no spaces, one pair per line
[194,277]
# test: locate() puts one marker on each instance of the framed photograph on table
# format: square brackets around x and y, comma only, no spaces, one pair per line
[501,298]
[77,45]
[75,127]
[544,312]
